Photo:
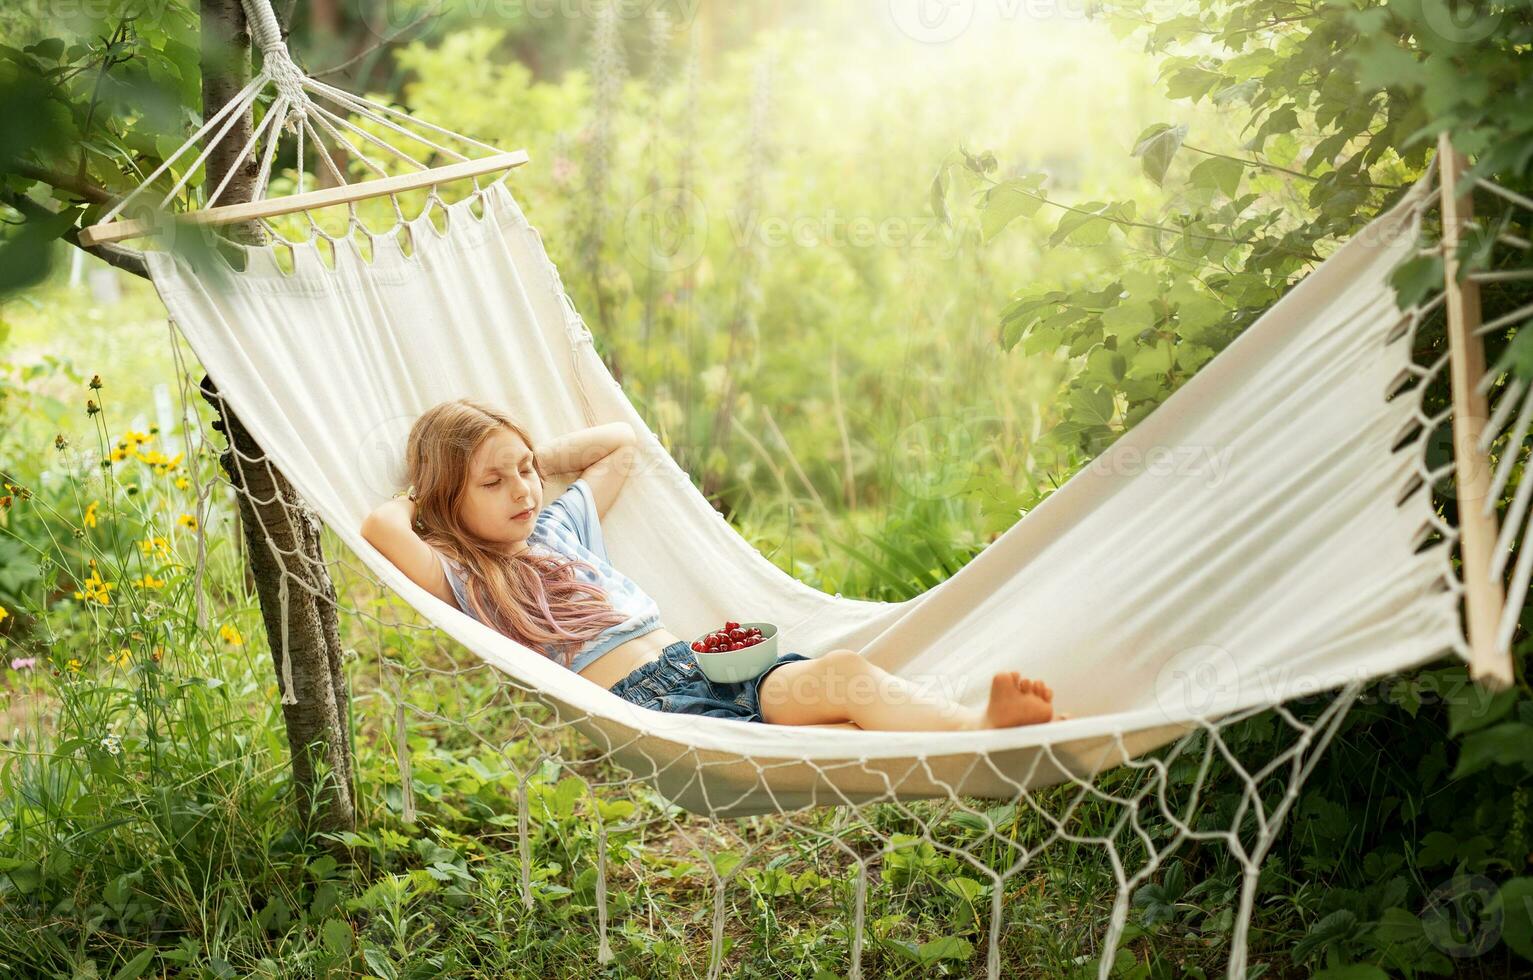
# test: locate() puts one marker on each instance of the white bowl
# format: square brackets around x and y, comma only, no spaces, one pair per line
[733,666]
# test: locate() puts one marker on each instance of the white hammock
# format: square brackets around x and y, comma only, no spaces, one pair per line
[1267,533]
[1243,545]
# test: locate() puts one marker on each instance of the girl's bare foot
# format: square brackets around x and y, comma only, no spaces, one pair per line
[1015,700]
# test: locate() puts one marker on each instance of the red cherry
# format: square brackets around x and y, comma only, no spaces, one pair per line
[697,647]
[731,624]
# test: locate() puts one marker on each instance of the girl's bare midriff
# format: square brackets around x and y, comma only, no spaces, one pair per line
[625,658]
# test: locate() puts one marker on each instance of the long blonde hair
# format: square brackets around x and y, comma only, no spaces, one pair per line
[532,596]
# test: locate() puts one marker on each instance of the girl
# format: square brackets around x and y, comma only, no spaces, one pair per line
[473,530]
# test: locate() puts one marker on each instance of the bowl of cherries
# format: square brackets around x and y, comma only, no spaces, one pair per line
[736,652]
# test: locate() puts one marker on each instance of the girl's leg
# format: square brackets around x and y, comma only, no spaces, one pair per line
[843,686]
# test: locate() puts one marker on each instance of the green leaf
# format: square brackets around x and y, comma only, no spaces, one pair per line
[134,968]
[1156,146]
[1414,278]
[1079,224]
[1007,201]
[1190,356]
[1325,151]
[1516,906]
[378,961]
[1196,314]
[337,936]
[1281,120]
[1383,64]
[1518,355]
[1104,367]
[1092,406]
[1218,173]
[48,49]
[939,197]
[1128,320]
[946,948]
[1152,362]
[966,889]
[1352,971]
[1437,848]
[1239,92]
[26,256]
[1507,744]
[1479,708]
[1191,83]
[1338,927]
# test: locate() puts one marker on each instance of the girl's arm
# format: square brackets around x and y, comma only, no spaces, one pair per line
[389,528]
[603,455]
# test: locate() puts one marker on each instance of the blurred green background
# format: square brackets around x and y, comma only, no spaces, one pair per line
[881,282]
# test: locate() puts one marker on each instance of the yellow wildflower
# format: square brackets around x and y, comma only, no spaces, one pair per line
[90,513]
[149,582]
[229,634]
[156,545]
[118,659]
[182,483]
[117,454]
[74,664]
[156,654]
[131,440]
[95,589]
[3,613]
[188,521]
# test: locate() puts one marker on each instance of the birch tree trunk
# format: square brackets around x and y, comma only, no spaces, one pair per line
[283,536]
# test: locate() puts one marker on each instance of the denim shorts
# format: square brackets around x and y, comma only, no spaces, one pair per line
[674,682]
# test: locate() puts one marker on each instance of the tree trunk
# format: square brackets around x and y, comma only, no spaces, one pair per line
[282,535]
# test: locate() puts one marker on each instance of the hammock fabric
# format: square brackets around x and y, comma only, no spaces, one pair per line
[1245,544]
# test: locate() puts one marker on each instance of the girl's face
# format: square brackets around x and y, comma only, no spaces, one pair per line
[503,493]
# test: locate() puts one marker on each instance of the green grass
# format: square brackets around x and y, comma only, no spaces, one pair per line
[179,845]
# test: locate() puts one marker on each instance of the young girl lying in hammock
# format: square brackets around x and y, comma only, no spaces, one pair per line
[474,532]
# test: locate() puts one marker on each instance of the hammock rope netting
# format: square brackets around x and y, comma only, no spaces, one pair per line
[1203,635]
